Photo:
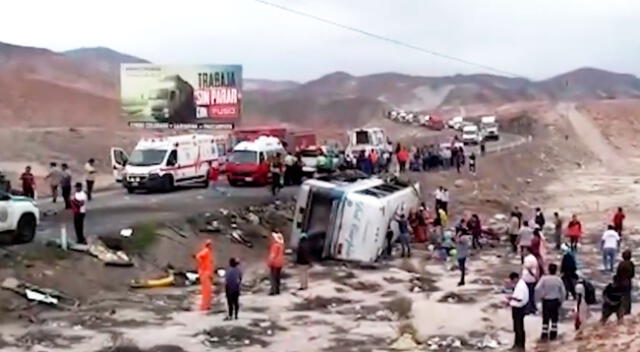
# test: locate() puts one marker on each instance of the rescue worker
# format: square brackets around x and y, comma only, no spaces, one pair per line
[204,259]
[550,291]
[79,210]
[28,183]
[276,261]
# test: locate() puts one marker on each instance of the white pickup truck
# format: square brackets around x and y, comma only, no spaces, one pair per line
[19,217]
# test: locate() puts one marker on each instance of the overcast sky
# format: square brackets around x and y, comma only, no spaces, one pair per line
[536,39]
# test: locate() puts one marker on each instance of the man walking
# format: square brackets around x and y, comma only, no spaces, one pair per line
[28,183]
[79,209]
[276,261]
[54,177]
[514,230]
[550,290]
[472,163]
[618,220]
[232,284]
[626,272]
[405,238]
[518,302]
[90,177]
[530,275]
[65,186]
[303,260]
[205,263]
[462,249]
[557,222]
[609,245]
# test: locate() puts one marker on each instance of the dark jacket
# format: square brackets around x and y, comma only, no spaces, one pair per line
[233,279]
[540,220]
[568,266]
[625,272]
[303,256]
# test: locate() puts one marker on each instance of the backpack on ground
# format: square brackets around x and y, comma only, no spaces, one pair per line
[589,293]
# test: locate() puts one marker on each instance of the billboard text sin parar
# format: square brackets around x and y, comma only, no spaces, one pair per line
[173,95]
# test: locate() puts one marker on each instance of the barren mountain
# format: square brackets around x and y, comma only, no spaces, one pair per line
[81,87]
[105,60]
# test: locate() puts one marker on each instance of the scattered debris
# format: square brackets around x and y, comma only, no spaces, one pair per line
[38,294]
[126,232]
[110,257]
[404,343]
[237,236]
[453,297]
[444,343]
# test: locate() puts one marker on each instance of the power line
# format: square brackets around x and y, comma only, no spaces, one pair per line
[389,40]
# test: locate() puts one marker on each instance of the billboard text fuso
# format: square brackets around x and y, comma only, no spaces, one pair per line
[160,95]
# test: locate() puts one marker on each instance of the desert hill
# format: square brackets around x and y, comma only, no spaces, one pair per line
[80,87]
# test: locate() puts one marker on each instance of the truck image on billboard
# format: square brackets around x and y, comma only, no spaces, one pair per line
[173,96]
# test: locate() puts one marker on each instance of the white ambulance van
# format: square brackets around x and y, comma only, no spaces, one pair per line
[163,163]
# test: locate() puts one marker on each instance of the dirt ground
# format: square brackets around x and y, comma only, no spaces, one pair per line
[564,168]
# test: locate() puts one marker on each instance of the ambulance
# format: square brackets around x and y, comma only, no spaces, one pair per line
[248,163]
[164,163]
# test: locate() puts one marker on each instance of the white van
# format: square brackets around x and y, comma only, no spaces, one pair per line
[489,127]
[367,139]
[471,134]
[162,163]
[349,220]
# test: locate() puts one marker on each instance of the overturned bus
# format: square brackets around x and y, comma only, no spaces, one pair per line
[349,220]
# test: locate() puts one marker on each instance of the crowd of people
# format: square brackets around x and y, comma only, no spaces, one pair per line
[60,182]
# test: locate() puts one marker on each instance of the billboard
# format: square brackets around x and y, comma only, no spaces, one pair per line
[164,96]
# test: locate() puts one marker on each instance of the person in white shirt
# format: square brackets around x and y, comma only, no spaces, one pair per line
[530,276]
[90,176]
[525,237]
[445,200]
[609,244]
[79,209]
[518,301]
[438,196]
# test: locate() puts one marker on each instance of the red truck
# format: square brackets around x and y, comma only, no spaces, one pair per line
[292,139]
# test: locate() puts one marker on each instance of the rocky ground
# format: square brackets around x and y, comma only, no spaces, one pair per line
[404,304]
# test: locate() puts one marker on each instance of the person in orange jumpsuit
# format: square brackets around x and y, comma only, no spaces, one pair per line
[276,261]
[205,272]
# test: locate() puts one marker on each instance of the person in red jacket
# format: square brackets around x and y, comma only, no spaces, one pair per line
[276,261]
[574,232]
[204,258]
[403,157]
[618,219]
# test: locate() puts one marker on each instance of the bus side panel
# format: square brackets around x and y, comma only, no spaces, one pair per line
[357,238]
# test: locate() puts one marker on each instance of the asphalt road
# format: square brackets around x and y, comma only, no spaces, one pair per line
[114,210]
